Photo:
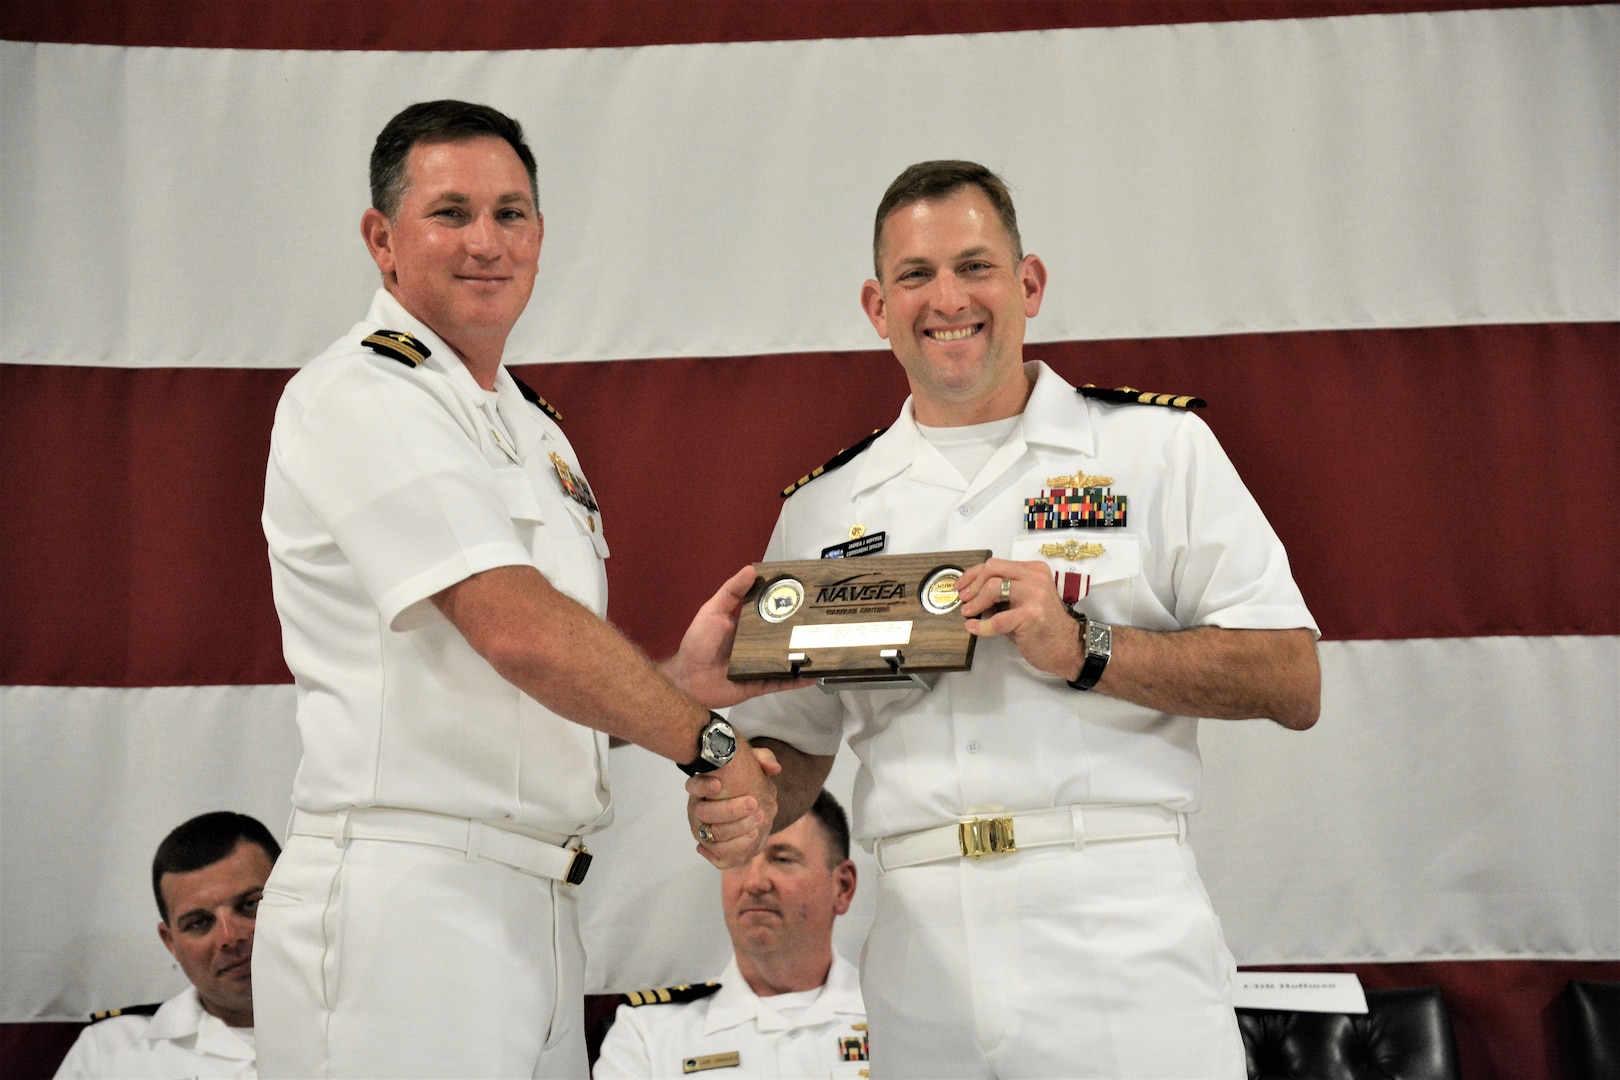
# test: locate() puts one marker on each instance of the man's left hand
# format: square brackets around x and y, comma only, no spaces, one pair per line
[731,811]
[1020,600]
[699,667]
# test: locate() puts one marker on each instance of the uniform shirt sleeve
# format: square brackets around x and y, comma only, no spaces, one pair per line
[386,462]
[625,1054]
[83,1061]
[1224,562]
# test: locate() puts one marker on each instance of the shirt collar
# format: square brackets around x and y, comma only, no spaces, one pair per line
[1054,416]
[183,1017]
[735,1003]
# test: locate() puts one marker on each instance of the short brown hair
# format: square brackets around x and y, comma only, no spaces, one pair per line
[445,121]
[936,179]
[204,841]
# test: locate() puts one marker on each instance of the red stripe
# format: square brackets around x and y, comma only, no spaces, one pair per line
[134,557]
[433,25]
[1506,1015]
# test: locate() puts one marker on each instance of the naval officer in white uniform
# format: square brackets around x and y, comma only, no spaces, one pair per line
[787,1005]
[1039,912]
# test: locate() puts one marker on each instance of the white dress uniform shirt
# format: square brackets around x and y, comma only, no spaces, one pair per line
[658,1040]
[1196,551]
[387,484]
[1059,961]
[180,1040]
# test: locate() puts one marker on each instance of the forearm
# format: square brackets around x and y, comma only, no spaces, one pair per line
[1219,673]
[799,782]
[559,653]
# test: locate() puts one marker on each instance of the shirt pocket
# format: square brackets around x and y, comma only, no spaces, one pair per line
[1097,570]
[516,491]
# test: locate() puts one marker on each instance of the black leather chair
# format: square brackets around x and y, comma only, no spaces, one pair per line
[1593,1048]
[1404,1035]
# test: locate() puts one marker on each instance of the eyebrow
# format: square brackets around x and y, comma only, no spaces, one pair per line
[235,900]
[968,253]
[460,198]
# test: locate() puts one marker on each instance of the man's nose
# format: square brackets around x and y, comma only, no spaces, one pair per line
[234,929]
[759,878]
[482,237]
[947,295]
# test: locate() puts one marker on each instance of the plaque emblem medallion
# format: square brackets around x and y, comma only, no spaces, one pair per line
[939,591]
[780,600]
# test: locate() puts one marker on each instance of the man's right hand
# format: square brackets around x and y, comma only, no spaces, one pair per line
[736,805]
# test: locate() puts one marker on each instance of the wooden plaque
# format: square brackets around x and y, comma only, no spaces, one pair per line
[877,616]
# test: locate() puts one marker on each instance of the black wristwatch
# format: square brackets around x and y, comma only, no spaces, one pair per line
[716,745]
[1098,641]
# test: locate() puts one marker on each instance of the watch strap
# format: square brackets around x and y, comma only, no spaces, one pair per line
[1091,668]
[701,764]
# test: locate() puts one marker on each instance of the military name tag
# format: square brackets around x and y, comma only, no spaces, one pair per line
[705,1062]
[875,620]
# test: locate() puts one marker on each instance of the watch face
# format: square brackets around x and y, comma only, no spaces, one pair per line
[1099,638]
[719,744]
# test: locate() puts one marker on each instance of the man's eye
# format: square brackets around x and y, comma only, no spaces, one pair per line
[250,906]
[196,926]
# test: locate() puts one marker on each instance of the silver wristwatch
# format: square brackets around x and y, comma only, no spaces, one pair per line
[717,742]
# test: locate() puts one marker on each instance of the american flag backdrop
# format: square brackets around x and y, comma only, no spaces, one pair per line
[1381,238]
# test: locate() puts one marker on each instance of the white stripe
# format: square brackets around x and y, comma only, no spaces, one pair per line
[167,207]
[91,780]
[1457,799]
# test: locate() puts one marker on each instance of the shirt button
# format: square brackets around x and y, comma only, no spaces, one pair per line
[965,511]
[973,747]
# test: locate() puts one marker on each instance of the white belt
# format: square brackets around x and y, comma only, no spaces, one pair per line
[1067,826]
[479,839]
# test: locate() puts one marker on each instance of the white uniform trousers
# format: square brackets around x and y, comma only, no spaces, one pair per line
[1103,962]
[388,959]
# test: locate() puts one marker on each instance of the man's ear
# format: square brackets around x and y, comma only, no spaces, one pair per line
[378,233]
[166,936]
[844,886]
[872,304]
[1032,276]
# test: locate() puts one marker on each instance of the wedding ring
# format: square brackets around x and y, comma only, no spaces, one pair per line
[705,834]
[1006,591]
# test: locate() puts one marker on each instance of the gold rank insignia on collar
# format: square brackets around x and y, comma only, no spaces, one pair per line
[843,457]
[671,995]
[704,1062]
[398,345]
[1128,395]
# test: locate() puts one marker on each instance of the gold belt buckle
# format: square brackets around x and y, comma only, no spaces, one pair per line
[986,836]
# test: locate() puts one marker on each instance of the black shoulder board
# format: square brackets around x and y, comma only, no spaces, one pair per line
[840,458]
[670,995]
[127,1010]
[535,399]
[399,345]
[1126,395]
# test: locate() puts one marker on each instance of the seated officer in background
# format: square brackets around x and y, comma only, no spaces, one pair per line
[207,875]
[787,1005]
